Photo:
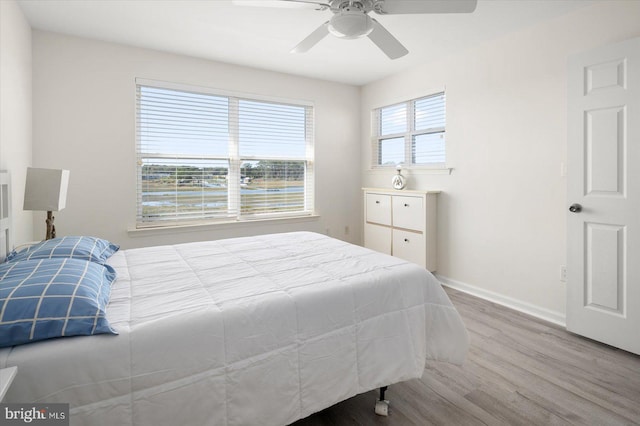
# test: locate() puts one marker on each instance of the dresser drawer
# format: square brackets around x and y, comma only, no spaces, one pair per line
[378,208]
[408,212]
[409,246]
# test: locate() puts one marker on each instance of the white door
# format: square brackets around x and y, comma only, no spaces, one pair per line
[603,259]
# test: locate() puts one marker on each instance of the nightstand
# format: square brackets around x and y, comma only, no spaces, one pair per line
[6,378]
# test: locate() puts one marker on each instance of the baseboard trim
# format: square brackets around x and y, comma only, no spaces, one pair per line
[554,317]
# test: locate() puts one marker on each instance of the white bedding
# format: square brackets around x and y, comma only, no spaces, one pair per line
[246,331]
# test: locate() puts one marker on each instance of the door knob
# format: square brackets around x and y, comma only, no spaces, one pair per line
[575,208]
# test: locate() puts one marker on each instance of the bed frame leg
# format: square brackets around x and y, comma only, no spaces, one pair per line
[382,391]
[382,405]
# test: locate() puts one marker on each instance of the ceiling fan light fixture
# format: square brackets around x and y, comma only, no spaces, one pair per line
[350,24]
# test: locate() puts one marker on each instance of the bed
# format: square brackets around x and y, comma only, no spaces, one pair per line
[260,330]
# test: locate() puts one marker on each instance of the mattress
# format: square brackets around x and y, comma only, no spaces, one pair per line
[245,331]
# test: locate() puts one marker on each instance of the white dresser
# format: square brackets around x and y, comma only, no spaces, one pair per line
[402,224]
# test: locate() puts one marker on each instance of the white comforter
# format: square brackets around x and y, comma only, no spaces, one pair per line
[246,331]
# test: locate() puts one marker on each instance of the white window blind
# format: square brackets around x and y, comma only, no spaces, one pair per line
[208,157]
[410,133]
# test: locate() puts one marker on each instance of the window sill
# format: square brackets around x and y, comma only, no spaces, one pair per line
[414,170]
[200,227]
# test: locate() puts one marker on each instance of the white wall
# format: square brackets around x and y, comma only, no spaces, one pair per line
[503,209]
[84,121]
[15,110]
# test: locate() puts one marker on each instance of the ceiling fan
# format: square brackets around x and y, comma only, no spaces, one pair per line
[351,19]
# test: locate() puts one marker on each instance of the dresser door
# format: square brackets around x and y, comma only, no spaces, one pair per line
[408,212]
[409,246]
[377,238]
[378,208]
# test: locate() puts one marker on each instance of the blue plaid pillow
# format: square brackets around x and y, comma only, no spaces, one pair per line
[46,298]
[86,248]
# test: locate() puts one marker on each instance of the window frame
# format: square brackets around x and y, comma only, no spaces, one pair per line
[234,159]
[408,136]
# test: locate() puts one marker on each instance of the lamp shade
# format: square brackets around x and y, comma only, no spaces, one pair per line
[46,189]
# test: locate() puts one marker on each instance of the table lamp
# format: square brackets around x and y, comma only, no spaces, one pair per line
[46,190]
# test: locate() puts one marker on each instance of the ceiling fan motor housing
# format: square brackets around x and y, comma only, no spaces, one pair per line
[350,23]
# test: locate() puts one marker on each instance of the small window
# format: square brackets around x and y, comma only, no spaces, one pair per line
[208,157]
[410,133]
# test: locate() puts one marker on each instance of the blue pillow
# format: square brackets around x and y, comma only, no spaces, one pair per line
[46,298]
[86,248]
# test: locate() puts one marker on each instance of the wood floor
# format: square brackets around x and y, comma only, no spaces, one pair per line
[520,371]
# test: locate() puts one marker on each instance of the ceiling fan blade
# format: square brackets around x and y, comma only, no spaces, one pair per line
[290,4]
[386,42]
[312,39]
[396,7]
[316,2]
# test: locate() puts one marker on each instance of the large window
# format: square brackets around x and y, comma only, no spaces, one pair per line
[205,157]
[410,133]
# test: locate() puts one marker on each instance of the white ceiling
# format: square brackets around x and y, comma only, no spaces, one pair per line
[262,37]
